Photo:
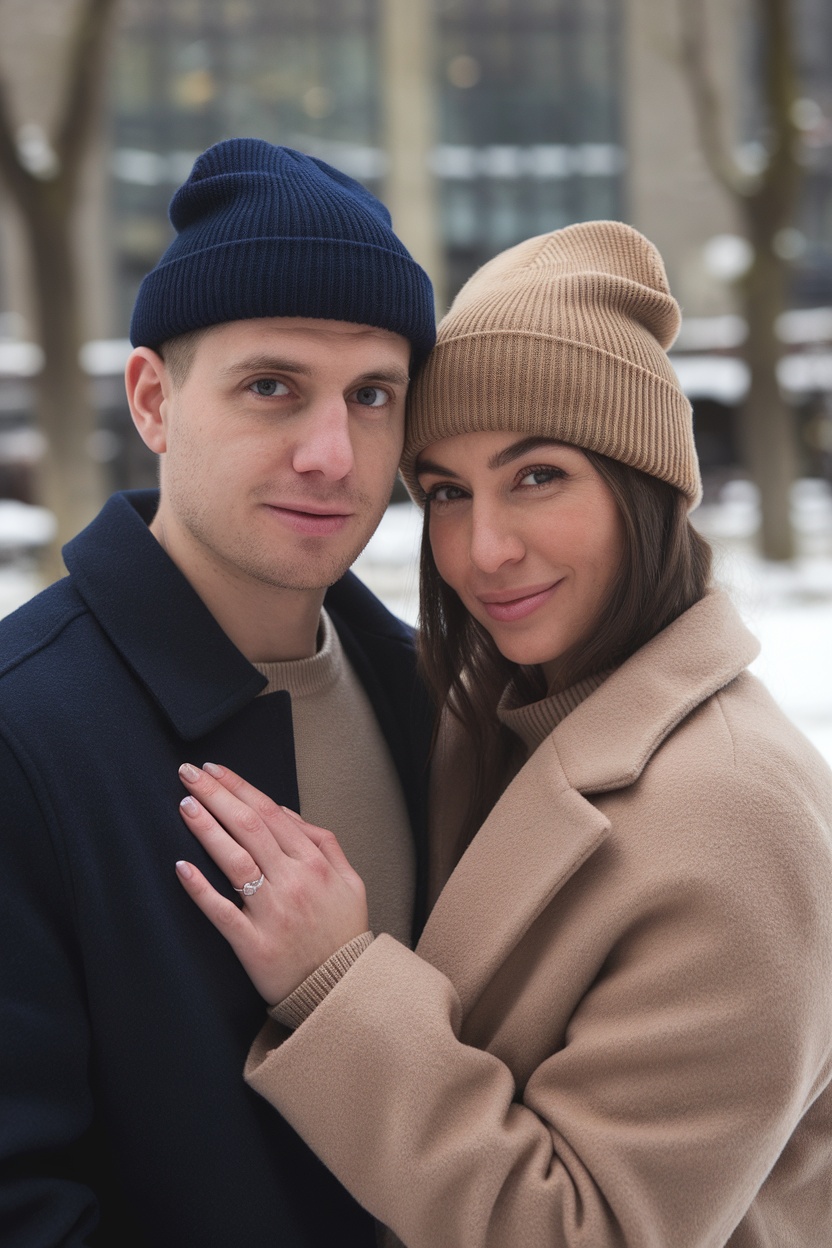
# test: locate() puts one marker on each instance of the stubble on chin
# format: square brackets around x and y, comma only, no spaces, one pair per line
[315,573]
[310,566]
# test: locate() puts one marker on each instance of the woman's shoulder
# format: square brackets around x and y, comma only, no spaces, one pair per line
[740,740]
[685,748]
[734,804]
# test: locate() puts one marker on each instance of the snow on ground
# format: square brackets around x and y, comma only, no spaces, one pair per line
[789,608]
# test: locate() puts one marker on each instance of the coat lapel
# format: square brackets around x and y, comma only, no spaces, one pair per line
[538,834]
[543,828]
[607,741]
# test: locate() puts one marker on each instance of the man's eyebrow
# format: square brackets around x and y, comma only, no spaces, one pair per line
[265,364]
[506,456]
[283,364]
[393,376]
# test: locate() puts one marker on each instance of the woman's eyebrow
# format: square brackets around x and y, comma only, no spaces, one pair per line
[518,449]
[506,456]
[428,465]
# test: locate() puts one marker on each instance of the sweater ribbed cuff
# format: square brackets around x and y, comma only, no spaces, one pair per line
[292,1010]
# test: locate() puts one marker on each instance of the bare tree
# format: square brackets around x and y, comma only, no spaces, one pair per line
[43,183]
[410,131]
[766,197]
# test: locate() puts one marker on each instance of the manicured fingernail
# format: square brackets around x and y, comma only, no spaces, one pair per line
[213,769]
[188,772]
[189,805]
[184,870]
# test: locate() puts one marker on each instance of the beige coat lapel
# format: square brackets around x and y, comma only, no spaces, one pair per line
[535,838]
[542,829]
[608,740]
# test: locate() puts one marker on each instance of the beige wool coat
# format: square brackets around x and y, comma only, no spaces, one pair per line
[617,1026]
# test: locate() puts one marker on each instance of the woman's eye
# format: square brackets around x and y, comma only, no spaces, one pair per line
[444,494]
[268,387]
[540,476]
[371,396]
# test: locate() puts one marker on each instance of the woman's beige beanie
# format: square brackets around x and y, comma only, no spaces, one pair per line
[564,335]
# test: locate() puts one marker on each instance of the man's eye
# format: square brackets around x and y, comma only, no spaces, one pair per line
[267,387]
[371,396]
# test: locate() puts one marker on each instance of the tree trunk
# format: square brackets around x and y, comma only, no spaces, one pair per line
[767,201]
[70,481]
[767,429]
[410,133]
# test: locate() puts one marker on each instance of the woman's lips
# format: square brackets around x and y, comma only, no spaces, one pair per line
[518,607]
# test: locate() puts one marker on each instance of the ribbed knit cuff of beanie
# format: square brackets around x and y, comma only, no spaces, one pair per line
[266,231]
[563,336]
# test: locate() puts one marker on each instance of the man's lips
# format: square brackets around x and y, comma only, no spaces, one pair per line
[309,518]
[514,604]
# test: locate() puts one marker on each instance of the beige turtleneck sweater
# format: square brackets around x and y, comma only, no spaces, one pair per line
[533,722]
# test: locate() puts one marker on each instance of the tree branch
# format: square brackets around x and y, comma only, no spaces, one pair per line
[707,108]
[782,175]
[19,181]
[85,61]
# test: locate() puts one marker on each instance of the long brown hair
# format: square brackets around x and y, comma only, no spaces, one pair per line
[665,569]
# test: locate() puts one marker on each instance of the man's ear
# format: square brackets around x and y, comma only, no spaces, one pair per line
[148,385]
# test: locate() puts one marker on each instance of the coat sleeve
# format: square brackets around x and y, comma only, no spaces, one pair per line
[45,1096]
[680,1080]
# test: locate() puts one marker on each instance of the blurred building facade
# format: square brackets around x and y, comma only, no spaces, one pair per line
[540,113]
[544,112]
[525,112]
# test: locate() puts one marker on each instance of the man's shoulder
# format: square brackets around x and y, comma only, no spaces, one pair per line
[38,624]
[97,557]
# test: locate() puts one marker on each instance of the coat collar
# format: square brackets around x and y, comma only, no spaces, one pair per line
[607,741]
[543,828]
[167,635]
[156,620]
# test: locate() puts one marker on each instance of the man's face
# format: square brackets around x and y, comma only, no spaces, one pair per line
[280,449]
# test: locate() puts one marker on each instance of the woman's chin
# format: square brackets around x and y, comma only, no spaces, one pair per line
[526,653]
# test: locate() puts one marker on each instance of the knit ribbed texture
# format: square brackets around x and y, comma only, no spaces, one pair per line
[347,780]
[292,1010]
[564,335]
[267,231]
[533,721]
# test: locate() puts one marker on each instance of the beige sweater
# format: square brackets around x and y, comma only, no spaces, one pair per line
[347,781]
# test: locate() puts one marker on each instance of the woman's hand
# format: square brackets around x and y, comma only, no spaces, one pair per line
[310,903]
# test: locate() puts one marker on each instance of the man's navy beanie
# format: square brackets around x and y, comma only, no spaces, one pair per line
[268,231]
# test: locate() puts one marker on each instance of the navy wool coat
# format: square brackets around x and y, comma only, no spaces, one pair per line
[125,1018]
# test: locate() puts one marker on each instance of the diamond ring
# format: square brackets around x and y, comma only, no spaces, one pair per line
[248,890]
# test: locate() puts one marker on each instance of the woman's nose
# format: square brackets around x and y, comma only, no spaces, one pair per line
[494,541]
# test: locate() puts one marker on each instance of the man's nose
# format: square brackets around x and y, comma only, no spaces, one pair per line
[324,444]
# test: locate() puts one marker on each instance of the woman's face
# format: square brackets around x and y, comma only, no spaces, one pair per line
[528,535]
